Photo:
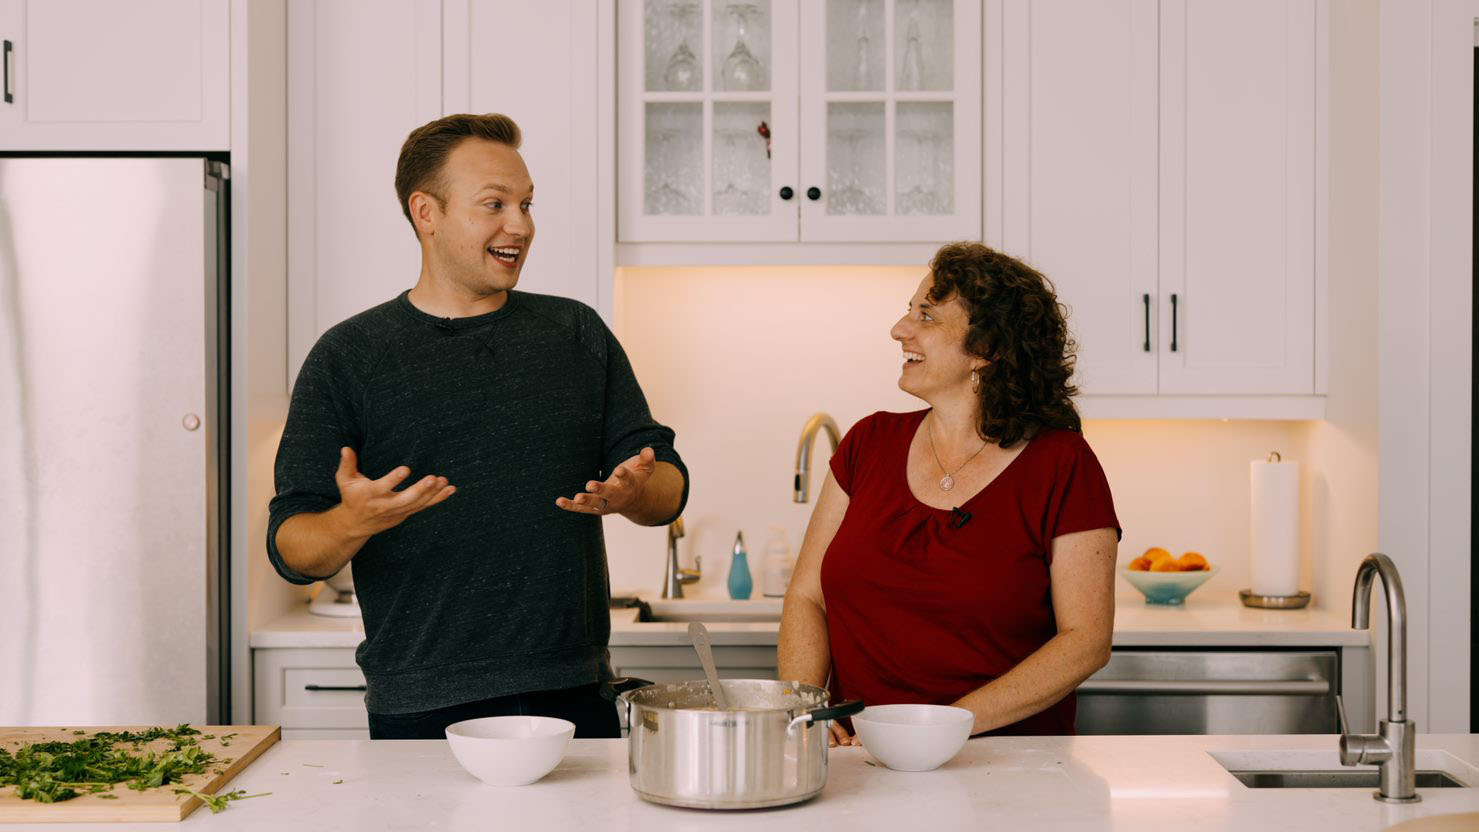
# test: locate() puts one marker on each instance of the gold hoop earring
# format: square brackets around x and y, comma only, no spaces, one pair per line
[975,381]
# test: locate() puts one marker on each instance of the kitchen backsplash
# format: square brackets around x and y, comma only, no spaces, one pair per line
[736,359]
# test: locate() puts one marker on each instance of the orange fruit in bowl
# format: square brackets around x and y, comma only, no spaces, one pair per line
[1155,553]
[1140,564]
[1192,562]
[1166,564]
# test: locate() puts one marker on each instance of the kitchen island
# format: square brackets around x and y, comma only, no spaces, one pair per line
[998,783]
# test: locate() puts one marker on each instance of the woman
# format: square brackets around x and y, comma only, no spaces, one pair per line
[963,554]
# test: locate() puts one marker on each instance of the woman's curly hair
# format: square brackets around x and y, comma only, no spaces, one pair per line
[1020,328]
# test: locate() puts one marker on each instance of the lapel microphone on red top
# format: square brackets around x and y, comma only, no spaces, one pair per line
[959,518]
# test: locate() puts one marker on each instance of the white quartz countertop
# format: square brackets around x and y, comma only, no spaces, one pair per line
[995,783]
[1205,620]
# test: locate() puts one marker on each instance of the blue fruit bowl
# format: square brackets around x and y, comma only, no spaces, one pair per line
[1167,587]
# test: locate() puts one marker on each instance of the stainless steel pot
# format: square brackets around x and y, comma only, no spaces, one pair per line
[768,749]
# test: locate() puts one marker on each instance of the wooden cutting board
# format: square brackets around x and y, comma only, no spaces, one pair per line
[153,805]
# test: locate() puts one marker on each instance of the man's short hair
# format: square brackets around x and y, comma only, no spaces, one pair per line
[425,152]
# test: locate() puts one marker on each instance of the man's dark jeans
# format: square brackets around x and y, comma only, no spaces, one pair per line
[593,714]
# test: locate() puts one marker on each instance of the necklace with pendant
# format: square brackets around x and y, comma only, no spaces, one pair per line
[947,482]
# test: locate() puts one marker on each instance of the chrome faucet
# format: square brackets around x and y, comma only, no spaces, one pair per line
[817,422]
[675,577]
[1395,744]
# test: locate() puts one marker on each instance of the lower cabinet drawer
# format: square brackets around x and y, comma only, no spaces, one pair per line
[310,689]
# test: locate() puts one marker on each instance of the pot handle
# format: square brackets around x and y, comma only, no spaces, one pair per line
[836,712]
[621,685]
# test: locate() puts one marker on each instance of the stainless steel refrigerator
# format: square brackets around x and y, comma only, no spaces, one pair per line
[113,427]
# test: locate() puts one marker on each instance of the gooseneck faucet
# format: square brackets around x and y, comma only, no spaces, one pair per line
[1394,746]
[675,577]
[818,421]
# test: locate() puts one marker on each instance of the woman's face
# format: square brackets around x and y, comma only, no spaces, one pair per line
[933,337]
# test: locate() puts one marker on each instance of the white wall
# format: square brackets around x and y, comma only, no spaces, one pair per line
[736,359]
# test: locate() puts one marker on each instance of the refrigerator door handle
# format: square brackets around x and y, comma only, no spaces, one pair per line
[9,50]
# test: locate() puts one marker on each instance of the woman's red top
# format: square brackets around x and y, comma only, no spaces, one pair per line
[924,605]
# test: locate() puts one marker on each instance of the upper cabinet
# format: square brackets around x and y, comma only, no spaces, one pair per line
[359,83]
[88,75]
[1162,163]
[779,120]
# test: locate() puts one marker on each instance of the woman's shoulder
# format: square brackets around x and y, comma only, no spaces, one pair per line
[884,423]
[1062,444]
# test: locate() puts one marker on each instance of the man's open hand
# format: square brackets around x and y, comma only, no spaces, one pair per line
[619,492]
[372,506]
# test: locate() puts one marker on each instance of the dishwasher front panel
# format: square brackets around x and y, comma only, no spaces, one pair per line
[1164,691]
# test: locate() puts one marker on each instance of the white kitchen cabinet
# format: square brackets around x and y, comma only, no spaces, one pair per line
[101,75]
[872,110]
[546,79]
[1163,171]
[359,83]
[313,693]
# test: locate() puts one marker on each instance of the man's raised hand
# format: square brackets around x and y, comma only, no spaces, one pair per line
[372,506]
[619,492]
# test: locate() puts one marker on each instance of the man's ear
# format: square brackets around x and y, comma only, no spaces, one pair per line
[425,212]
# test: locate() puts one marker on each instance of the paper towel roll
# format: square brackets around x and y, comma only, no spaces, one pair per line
[1274,526]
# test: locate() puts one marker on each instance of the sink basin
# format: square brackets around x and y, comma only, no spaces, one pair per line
[1321,769]
[1347,778]
[722,610]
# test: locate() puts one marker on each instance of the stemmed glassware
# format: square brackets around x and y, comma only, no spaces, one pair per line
[911,69]
[742,71]
[861,77]
[682,72]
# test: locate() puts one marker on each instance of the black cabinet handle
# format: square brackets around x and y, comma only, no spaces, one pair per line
[1146,299]
[9,48]
[787,193]
[1173,322]
[813,193]
[334,687]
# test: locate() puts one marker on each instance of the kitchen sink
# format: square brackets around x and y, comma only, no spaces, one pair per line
[1321,769]
[1349,778]
[717,611]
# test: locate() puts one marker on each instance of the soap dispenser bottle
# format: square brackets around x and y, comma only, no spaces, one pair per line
[740,583]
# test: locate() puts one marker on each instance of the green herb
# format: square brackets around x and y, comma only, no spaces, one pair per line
[314,765]
[337,782]
[50,772]
[79,733]
[107,797]
[209,737]
[217,802]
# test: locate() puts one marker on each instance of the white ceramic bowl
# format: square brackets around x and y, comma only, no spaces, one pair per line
[510,750]
[913,737]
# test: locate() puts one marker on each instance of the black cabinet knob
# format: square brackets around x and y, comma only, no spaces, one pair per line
[786,192]
[813,193]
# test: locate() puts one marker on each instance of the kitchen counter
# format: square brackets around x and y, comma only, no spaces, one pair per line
[1039,783]
[1205,620]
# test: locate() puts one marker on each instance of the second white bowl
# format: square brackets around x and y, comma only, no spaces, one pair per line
[914,737]
[510,750]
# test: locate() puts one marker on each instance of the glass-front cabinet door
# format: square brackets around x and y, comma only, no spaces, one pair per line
[799,120]
[891,120]
[708,142]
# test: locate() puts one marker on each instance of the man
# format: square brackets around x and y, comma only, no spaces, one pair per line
[483,587]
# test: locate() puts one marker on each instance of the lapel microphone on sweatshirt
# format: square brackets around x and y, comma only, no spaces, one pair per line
[959,518]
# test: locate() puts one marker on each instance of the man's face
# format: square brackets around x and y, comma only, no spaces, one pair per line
[480,239]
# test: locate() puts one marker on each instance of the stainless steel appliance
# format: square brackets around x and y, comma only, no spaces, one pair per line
[113,472]
[768,748]
[1203,691]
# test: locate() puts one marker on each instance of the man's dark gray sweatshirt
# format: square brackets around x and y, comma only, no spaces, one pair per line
[495,590]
